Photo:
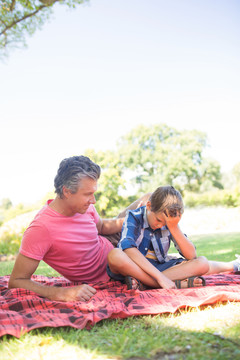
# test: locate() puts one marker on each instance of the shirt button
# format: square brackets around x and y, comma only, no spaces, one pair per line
[146,248]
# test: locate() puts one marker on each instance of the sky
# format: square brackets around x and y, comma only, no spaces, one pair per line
[92,74]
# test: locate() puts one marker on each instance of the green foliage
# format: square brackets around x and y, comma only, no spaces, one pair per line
[10,242]
[13,225]
[18,210]
[8,211]
[159,155]
[6,204]
[236,173]
[150,156]
[230,198]
[19,18]
[108,199]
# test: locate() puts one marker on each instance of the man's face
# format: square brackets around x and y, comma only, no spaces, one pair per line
[83,198]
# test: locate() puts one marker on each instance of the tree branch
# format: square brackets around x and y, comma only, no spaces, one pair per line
[26,16]
[12,5]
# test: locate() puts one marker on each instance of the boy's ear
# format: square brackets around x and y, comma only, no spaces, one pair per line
[148,205]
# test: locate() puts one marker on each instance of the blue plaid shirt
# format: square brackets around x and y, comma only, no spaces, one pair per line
[136,232]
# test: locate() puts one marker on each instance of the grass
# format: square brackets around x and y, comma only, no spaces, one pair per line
[199,333]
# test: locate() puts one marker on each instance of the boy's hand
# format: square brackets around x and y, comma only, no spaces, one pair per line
[166,283]
[172,219]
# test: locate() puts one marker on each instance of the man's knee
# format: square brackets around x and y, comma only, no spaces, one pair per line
[113,256]
[116,259]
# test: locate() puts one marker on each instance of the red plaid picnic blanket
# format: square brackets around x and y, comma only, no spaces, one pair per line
[22,310]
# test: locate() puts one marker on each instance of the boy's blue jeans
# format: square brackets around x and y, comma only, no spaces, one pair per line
[160,266]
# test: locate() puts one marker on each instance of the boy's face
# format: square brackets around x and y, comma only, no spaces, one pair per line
[155,220]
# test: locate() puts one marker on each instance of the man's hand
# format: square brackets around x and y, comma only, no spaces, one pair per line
[82,292]
[21,278]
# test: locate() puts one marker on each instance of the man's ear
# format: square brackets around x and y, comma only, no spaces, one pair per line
[66,192]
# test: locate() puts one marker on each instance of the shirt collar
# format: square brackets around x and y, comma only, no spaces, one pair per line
[145,220]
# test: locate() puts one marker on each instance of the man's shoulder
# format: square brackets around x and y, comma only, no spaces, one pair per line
[43,216]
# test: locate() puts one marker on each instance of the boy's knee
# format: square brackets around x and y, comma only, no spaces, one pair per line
[203,264]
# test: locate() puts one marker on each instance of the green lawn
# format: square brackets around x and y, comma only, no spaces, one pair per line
[202,333]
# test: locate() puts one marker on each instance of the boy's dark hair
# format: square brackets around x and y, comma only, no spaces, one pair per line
[73,169]
[167,198]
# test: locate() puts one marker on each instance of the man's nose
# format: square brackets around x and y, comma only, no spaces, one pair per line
[93,200]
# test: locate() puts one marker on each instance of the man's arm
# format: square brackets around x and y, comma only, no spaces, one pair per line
[112,226]
[109,226]
[21,278]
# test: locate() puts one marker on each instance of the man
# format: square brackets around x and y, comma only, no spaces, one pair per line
[66,235]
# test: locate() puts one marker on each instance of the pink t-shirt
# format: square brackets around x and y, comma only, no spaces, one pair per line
[70,245]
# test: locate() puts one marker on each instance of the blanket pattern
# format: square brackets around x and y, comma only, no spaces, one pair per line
[22,310]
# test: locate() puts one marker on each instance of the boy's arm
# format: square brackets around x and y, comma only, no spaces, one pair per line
[139,259]
[21,278]
[131,230]
[186,247]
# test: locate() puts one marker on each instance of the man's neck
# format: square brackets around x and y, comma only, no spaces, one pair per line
[59,205]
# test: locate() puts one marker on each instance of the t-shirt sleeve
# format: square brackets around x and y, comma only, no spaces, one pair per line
[35,242]
[94,213]
[130,232]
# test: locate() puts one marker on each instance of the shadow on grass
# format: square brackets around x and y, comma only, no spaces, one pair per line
[139,338]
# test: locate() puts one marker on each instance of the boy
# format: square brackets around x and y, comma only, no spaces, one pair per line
[145,241]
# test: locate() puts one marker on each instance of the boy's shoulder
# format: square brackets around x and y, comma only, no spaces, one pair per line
[137,216]
[139,211]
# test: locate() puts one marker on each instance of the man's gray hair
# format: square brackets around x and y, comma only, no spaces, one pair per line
[72,170]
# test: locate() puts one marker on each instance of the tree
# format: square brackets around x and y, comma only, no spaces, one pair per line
[108,197]
[236,172]
[150,156]
[6,204]
[19,18]
[159,155]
